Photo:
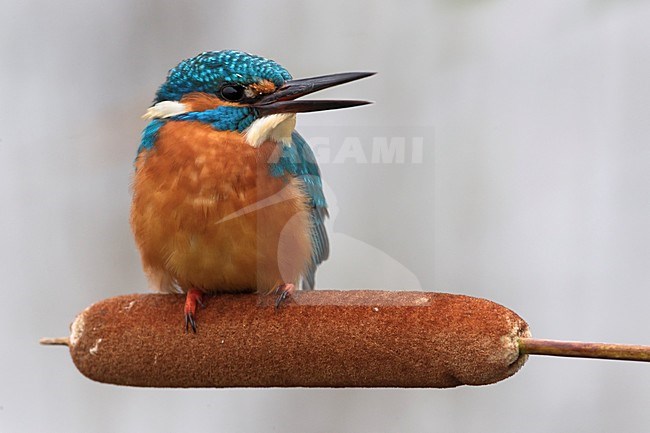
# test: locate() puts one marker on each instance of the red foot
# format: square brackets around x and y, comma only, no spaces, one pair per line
[283,291]
[192,298]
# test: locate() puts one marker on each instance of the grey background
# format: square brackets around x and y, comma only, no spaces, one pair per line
[533,191]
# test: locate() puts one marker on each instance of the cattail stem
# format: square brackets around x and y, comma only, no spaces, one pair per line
[56,341]
[626,352]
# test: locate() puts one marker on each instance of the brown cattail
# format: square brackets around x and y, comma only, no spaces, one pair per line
[319,338]
[364,338]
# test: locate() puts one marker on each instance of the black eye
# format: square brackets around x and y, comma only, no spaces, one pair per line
[232,92]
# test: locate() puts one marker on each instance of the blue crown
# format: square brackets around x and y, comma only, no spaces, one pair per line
[208,71]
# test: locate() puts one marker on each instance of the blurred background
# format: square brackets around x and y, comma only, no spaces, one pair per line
[525,179]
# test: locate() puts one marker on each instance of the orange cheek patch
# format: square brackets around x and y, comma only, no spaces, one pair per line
[263,87]
[198,101]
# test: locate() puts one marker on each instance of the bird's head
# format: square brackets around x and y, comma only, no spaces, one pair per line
[237,91]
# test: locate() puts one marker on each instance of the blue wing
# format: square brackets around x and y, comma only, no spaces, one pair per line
[298,161]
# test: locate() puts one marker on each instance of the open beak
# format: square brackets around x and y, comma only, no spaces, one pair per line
[283,100]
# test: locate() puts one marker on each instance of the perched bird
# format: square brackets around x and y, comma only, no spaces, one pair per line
[227,196]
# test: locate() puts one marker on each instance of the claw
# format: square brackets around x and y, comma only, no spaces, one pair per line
[192,298]
[283,291]
[190,321]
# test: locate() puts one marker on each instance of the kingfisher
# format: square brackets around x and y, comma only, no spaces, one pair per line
[227,196]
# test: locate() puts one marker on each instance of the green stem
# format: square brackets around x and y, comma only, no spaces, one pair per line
[533,346]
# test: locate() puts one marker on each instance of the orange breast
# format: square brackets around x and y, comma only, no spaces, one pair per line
[206,213]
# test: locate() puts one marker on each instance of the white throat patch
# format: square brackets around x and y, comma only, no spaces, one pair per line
[274,127]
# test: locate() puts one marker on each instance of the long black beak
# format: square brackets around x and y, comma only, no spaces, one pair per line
[283,99]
